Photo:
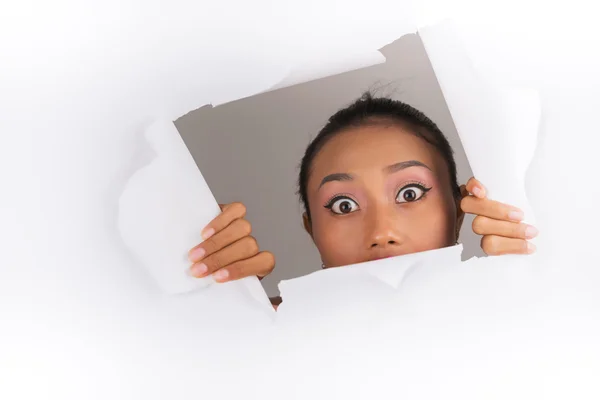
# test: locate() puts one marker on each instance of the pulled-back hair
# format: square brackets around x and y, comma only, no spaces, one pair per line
[369,110]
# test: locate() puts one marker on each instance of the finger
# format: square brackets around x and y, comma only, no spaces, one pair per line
[240,250]
[231,234]
[491,209]
[497,245]
[230,212]
[487,226]
[475,187]
[260,265]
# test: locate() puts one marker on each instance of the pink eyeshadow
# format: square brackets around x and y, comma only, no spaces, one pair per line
[333,189]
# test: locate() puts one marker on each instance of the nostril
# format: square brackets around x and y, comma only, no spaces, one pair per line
[389,242]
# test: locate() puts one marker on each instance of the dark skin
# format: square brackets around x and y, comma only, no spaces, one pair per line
[374,192]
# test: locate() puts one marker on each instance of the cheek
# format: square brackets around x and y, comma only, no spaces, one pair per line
[440,215]
[338,239]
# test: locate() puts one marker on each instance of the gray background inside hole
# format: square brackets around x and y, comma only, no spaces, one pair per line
[249,150]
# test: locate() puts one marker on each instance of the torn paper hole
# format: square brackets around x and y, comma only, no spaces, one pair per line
[72,269]
[205,152]
[261,140]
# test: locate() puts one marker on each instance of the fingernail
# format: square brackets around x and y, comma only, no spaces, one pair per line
[197,254]
[516,215]
[208,233]
[531,232]
[221,275]
[530,248]
[478,192]
[198,270]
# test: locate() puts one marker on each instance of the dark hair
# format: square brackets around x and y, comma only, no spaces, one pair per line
[371,110]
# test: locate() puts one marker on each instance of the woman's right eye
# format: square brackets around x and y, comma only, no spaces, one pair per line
[342,206]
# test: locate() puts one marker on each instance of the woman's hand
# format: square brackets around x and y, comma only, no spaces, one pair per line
[500,224]
[228,252]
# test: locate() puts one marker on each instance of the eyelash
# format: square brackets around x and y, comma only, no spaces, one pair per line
[329,204]
[416,184]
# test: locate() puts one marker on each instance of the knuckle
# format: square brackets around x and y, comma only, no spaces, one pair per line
[241,269]
[490,245]
[245,227]
[522,246]
[269,260]
[214,263]
[465,203]
[239,208]
[251,245]
[267,264]
[211,245]
[519,231]
[479,225]
[234,271]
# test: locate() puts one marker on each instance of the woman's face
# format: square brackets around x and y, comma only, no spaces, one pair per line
[379,191]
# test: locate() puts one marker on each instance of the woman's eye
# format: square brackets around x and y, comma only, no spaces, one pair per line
[410,194]
[343,206]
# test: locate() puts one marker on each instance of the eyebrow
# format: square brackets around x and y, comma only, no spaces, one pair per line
[336,177]
[389,169]
[403,165]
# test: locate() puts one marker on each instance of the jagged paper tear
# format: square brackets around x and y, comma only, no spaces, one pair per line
[68,327]
[162,210]
[498,127]
[391,271]
[329,66]
[167,203]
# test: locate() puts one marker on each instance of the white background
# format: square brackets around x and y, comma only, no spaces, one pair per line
[80,319]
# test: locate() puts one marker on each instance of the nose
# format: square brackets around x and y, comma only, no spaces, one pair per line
[384,231]
[384,238]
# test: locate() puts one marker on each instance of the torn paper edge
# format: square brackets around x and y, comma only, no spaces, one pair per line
[509,192]
[317,70]
[497,108]
[175,157]
[392,271]
[301,75]
[163,133]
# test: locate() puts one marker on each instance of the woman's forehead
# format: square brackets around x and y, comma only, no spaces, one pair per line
[372,147]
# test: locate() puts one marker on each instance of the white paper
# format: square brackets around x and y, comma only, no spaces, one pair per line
[391,271]
[162,210]
[330,65]
[498,126]
[79,320]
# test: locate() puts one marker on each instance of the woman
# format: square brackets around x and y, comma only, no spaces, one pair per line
[378,181]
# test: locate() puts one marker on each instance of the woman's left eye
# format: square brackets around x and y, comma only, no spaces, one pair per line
[411,193]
